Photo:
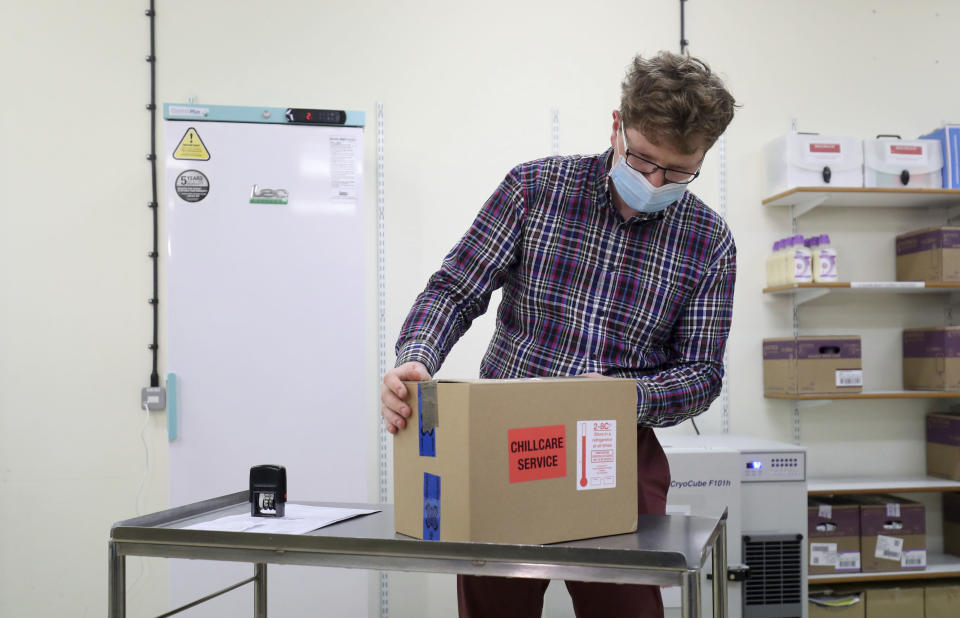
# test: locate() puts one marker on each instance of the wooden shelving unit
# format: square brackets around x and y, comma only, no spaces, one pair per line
[800,201]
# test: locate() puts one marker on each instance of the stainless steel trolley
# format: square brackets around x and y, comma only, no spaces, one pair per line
[667,550]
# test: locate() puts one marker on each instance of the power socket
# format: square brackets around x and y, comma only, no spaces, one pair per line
[153,398]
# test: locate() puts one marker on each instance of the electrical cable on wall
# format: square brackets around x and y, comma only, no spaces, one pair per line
[152,157]
[684,43]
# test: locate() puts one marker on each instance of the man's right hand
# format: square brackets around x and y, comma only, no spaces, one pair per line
[392,393]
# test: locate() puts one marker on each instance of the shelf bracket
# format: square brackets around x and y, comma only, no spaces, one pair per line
[804,206]
[804,404]
[805,295]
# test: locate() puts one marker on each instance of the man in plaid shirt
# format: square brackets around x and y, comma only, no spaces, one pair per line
[608,266]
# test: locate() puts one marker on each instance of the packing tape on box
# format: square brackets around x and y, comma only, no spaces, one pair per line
[431,507]
[428,418]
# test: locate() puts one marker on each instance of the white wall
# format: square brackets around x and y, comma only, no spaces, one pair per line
[468,91]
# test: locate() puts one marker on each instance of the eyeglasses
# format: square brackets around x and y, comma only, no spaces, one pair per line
[646,168]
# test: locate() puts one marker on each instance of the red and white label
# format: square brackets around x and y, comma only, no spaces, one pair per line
[820,148]
[537,453]
[596,455]
[908,151]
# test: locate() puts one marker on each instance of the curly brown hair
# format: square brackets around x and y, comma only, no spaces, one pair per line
[676,99]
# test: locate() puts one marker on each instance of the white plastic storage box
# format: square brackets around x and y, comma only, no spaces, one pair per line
[949,137]
[890,162]
[811,160]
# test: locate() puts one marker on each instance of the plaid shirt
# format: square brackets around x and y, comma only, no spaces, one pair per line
[585,291]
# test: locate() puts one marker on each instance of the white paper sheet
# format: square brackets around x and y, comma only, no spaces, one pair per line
[297,519]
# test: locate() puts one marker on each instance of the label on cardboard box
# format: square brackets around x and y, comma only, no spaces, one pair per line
[931,343]
[823,554]
[537,453]
[596,454]
[914,559]
[889,548]
[849,377]
[848,561]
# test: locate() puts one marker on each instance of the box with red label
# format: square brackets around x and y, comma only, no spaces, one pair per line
[931,358]
[890,162]
[893,533]
[931,254]
[833,527]
[517,461]
[826,365]
[811,160]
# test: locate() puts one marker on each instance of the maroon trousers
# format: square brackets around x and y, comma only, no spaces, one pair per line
[515,597]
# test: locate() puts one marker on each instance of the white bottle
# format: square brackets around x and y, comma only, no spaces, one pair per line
[799,260]
[825,261]
[773,273]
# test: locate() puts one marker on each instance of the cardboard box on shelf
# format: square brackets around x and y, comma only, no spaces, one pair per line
[517,461]
[891,162]
[899,602]
[931,254]
[826,365]
[833,528]
[893,534]
[931,358]
[941,601]
[943,446]
[811,160]
[951,523]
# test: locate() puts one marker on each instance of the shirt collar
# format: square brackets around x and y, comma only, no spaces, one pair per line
[604,190]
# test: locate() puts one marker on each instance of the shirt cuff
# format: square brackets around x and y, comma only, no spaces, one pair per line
[643,404]
[420,352]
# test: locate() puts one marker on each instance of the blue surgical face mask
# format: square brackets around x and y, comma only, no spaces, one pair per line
[634,188]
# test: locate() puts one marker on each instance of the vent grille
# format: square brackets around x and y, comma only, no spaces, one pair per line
[775,584]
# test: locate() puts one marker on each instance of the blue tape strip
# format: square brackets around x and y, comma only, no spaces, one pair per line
[431,507]
[173,420]
[428,439]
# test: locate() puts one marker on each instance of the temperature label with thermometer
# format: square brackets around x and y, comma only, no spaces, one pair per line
[596,454]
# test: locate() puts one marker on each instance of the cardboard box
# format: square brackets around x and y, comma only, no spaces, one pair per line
[949,137]
[893,534]
[811,160]
[827,365]
[941,601]
[951,523]
[890,162]
[904,602]
[931,359]
[846,605]
[943,445]
[931,254]
[517,461]
[833,529]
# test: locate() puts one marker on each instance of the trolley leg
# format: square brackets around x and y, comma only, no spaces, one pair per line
[690,595]
[260,591]
[720,573]
[117,585]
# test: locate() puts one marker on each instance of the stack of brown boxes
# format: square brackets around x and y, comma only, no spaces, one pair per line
[834,531]
[879,601]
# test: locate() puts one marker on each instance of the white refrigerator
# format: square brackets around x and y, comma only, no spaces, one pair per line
[265,302]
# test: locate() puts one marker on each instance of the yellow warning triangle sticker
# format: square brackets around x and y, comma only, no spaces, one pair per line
[191,147]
